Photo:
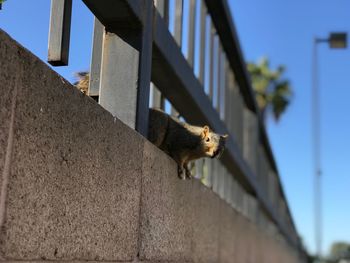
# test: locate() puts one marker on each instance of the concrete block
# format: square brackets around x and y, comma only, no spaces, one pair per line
[206,227]
[242,244]
[74,186]
[228,238]
[84,186]
[252,240]
[166,213]
[8,77]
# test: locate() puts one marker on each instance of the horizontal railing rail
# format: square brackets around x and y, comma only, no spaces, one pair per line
[201,75]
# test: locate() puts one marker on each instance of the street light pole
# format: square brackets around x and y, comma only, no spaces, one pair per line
[316,149]
[336,40]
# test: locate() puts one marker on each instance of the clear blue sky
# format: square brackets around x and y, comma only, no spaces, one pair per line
[283,31]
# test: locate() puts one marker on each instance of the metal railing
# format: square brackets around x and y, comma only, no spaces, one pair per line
[141,56]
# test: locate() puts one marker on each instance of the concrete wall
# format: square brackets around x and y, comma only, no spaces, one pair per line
[77,184]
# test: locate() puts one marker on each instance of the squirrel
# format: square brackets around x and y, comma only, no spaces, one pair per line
[181,141]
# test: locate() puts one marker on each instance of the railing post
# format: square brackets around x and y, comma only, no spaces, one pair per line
[158,100]
[178,22]
[211,60]
[222,92]
[96,59]
[250,138]
[216,102]
[126,72]
[59,32]
[238,116]
[191,32]
[178,35]
[203,15]
[145,70]
[157,97]
[163,9]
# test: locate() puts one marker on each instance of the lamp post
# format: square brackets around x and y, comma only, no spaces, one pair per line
[336,41]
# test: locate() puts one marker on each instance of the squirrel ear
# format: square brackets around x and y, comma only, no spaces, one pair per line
[205,131]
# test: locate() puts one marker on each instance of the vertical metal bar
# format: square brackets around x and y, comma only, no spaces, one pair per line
[144,74]
[178,22]
[238,121]
[265,171]
[178,34]
[157,98]
[272,189]
[261,169]
[214,175]
[126,73]
[266,174]
[202,29]
[254,142]
[59,32]
[218,76]
[235,94]
[211,59]
[163,9]
[191,32]
[119,75]
[250,138]
[231,102]
[218,177]
[316,150]
[275,195]
[166,12]
[270,185]
[227,96]
[199,168]
[203,14]
[244,204]
[239,194]
[260,165]
[222,86]
[222,180]
[227,185]
[96,59]
[230,188]
[235,194]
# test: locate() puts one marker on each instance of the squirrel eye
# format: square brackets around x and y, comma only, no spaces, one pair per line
[207,139]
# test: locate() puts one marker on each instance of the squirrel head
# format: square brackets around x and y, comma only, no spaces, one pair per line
[213,143]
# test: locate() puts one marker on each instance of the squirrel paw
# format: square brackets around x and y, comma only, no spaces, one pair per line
[181,173]
[188,174]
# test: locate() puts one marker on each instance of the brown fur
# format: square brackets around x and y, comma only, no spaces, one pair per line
[183,142]
[82,82]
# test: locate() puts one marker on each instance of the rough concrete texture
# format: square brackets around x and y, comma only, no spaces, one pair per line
[166,214]
[84,186]
[74,187]
[8,76]
[228,238]
[206,209]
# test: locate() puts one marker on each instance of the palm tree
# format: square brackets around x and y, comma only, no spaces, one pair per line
[273,93]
